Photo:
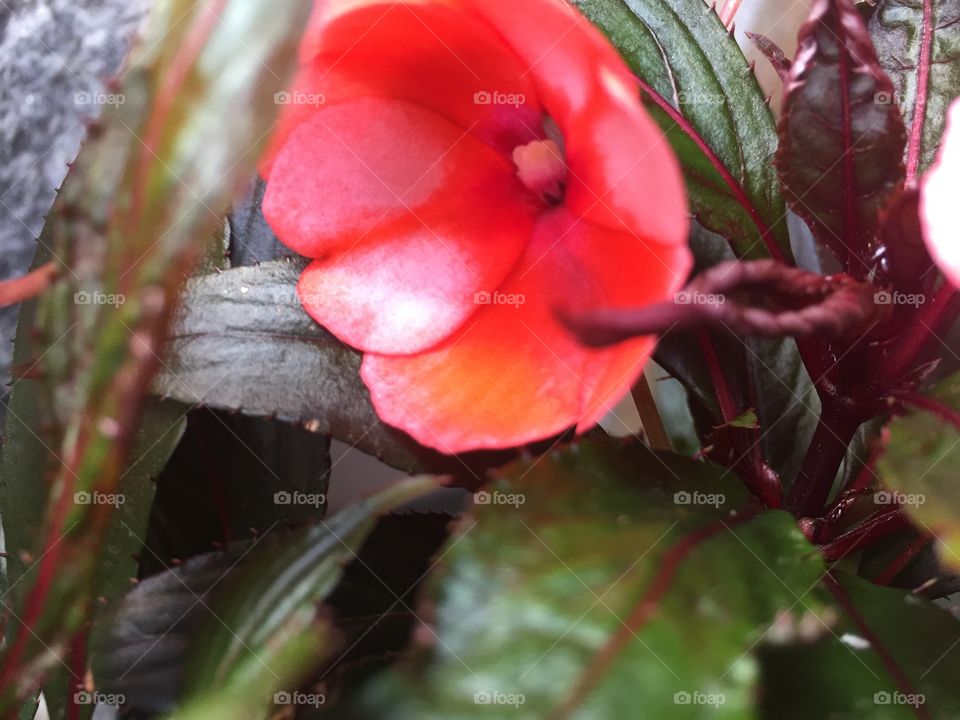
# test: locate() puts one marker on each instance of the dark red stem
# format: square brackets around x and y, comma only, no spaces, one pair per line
[811,489]
[904,684]
[923,85]
[911,348]
[944,412]
[901,561]
[875,527]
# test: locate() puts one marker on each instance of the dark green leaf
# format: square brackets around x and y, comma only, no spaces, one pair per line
[841,136]
[924,81]
[218,632]
[598,578]
[681,49]
[839,674]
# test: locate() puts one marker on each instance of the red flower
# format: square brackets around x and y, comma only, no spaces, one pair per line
[459,170]
[938,200]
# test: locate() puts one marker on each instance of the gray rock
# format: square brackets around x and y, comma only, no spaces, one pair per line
[54,58]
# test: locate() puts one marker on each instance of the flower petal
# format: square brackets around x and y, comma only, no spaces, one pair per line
[425,53]
[354,169]
[415,281]
[938,201]
[513,374]
[623,173]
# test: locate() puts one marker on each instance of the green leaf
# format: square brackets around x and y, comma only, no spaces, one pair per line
[681,49]
[841,138]
[919,467]
[225,631]
[925,82]
[839,674]
[603,576]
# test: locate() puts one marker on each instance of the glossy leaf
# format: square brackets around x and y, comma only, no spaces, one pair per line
[616,577]
[839,673]
[841,136]
[919,468]
[717,119]
[918,43]
[227,630]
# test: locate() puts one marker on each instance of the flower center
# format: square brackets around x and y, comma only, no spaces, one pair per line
[541,168]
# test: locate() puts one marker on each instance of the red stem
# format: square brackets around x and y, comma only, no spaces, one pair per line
[728,408]
[828,447]
[904,684]
[923,85]
[874,528]
[933,406]
[911,347]
[27,286]
[597,670]
[731,182]
[901,561]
